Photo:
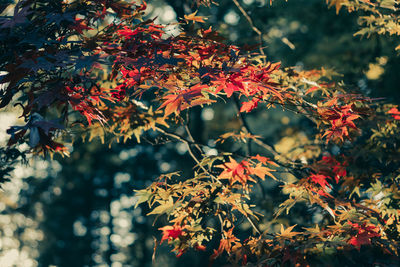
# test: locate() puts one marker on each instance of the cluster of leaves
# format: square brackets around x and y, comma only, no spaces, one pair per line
[378,17]
[99,67]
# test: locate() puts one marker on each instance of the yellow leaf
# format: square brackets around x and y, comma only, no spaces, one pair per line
[167,207]
[288,231]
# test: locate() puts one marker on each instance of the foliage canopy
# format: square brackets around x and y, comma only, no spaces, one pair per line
[102,69]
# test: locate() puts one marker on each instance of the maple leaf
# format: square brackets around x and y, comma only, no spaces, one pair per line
[232,168]
[250,105]
[395,113]
[85,105]
[320,179]
[337,3]
[264,160]
[225,244]
[175,103]
[287,233]
[236,172]
[171,232]
[128,33]
[172,104]
[340,118]
[230,85]
[328,113]
[360,239]
[193,18]
[229,89]
[364,234]
[261,159]
[334,167]
[261,172]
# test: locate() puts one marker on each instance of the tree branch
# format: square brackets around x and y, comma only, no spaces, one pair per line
[188,143]
[253,27]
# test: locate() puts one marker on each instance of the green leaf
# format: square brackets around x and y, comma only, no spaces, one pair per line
[143,196]
[167,208]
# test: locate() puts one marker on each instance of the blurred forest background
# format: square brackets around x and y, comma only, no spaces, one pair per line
[79,211]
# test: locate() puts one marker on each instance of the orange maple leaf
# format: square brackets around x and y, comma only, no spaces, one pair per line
[193,18]
[264,160]
[236,172]
[249,106]
[261,172]
[225,244]
[183,100]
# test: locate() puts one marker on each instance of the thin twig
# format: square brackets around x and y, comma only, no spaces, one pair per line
[255,227]
[192,139]
[188,143]
[221,222]
[253,27]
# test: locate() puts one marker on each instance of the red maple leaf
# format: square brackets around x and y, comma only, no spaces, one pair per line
[320,179]
[340,119]
[84,104]
[364,234]
[249,106]
[171,232]
[337,168]
[395,113]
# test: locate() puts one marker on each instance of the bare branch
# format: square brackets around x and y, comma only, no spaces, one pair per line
[188,143]
[253,27]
